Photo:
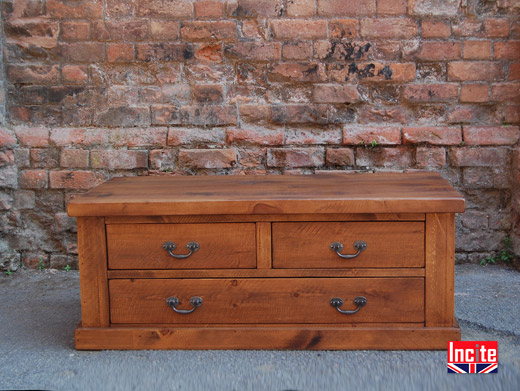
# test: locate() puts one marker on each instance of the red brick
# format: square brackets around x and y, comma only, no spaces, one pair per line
[35,260]
[255,8]
[62,137]
[6,158]
[475,71]
[74,158]
[293,72]
[374,72]
[209,52]
[400,157]
[342,50]
[512,114]
[388,27]
[118,159]
[299,136]
[478,157]
[120,8]
[254,51]
[120,52]
[439,51]
[161,159]
[467,28]
[44,158]
[164,30]
[514,71]
[431,92]
[477,50]
[62,9]
[472,114]
[33,179]
[208,115]
[82,52]
[295,157]
[33,74]
[297,29]
[296,50]
[474,93]
[196,137]
[178,9]
[209,9]
[135,137]
[7,140]
[446,8]
[75,31]
[249,29]
[122,116]
[207,158]
[432,135]
[366,135]
[496,28]
[348,8]
[75,180]
[509,50]
[426,157]
[202,31]
[301,7]
[343,28]
[74,74]
[127,30]
[340,157]
[333,93]
[433,28]
[491,135]
[207,93]
[485,178]
[380,114]
[298,114]
[255,136]
[505,92]
[32,137]
[164,52]
[391,7]
[254,114]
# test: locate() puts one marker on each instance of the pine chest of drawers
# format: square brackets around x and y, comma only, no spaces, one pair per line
[354,261]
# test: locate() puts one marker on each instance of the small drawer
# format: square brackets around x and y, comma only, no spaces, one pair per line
[260,300]
[181,246]
[307,245]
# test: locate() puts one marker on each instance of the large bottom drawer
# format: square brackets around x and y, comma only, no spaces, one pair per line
[262,300]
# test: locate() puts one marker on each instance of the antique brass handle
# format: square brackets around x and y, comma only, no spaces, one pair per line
[360,246]
[170,247]
[337,302]
[173,302]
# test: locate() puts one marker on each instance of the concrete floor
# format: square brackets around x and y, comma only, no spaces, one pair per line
[39,311]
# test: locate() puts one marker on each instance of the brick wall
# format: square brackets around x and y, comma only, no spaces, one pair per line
[100,88]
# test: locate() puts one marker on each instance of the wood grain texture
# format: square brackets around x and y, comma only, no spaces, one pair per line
[288,338]
[263,245]
[307,244]
[416,192]
[222,245]
[302,300]
[440,269]
[93,272]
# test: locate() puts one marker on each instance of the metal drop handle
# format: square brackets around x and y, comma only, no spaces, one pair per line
[360,246]
[173,302]
[170,247]
[359,301]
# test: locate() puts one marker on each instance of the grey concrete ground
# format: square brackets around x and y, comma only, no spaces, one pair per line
[39,311]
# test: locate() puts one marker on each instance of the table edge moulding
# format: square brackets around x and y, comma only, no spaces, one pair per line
[327,261]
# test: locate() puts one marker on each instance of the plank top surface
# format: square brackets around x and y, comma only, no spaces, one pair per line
[416,192]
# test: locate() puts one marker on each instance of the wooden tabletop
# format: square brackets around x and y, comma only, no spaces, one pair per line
[416,192]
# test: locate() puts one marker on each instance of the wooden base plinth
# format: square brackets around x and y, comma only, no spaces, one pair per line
[286,337]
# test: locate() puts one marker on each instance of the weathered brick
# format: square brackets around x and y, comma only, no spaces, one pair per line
[508,50]
[446,135]
[118,159]
[123,116]
[74,158]
[385,115]
[376,72]
[120,8]
[136,137]
[22,157]
[471,114]
[33,179]
[74,74]
[44,158]
[496,27]
[81,52]
[474,219]
[437,51]
[208,115]
[485,178]
[431,92]
[297,114]
[433,28]
[512,114]
[209,52]
[366,135]
[196,137]
[161,159]
[33,74]
[35,260]
[255,8]
[296,50]
[208,94]
[504,92]
[164,52]
[467,28]
[255,136]
[388,28]
[433,8]
[391,7]
[399,157]
[342,50]
[63,137]
[75,180]
[301,7]
[514,71]
[254,114]
[6,158]
[293,72]
[426,157]
[32,137]
[164,30]
[207,158]
[255,51]
[9,176]
[209,9]
[295,157]
[348,8]
[120,52]
[340,156]
[299,136]
[178,9]
[475,71]
[477,50]
[7,139]
[297,29]
[491,135]
[478,157]
[203,31]
[75,31]
[474,93]
[62,9]
[343,28]
[333,93]
[24,199]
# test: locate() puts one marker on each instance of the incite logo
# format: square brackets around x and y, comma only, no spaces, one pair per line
[472,357]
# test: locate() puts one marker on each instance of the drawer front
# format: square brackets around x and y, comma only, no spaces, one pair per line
[140,246]
[308,244]
[287,300]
